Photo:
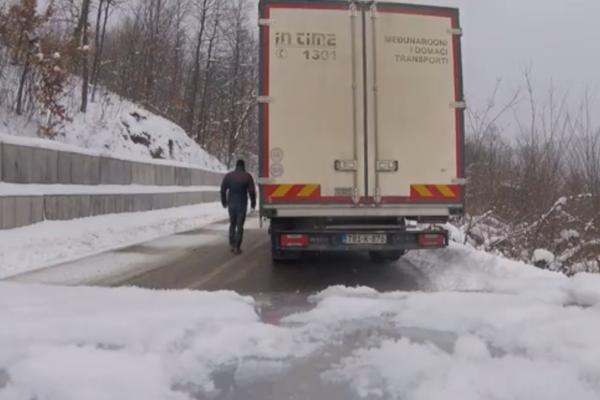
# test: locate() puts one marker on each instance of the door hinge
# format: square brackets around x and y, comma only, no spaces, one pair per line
[355,196]
[264,99]
[378,197]
[458,104]
[265,22]
[455,31]
[353,10]
[373,10]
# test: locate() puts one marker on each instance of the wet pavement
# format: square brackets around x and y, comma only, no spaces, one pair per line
[211,266]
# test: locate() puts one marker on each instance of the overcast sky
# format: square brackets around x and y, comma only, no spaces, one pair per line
[559,39]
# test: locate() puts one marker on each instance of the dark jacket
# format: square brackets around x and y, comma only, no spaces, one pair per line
[235,189]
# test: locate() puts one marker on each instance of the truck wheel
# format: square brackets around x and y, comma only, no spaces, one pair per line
[394,255]
[383,256]
[377,257]
[282,257]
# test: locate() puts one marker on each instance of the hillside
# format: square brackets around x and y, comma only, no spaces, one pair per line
[115,126]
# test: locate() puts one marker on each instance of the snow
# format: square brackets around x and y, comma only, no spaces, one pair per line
[542,255]
[132,343]
[568,234]
[16,189]
[561,202]
[86,343]
[511,341]
[112,126]
[122,155]
[492,328]
[53,242]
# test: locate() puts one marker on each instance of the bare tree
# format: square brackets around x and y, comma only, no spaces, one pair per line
[208,73]
[202,7]
[102,16]
[81,38]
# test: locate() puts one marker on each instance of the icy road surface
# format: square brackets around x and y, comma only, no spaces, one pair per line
[484,328]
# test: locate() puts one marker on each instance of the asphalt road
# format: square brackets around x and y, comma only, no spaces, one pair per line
[211,266]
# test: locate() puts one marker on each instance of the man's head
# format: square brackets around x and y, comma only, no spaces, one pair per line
[240,164]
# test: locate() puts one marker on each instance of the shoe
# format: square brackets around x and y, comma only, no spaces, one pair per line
[237,251]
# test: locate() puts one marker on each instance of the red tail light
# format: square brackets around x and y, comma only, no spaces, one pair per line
[432,240]
[294,240]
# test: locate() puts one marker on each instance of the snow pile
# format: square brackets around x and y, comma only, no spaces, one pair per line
[519,342]
[86,343]
[509,331]
[114,126]
[542,258]
[54,242]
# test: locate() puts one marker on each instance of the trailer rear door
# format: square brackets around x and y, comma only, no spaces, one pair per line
[415,99]
[311,93]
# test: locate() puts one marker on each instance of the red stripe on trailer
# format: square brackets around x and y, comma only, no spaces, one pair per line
[459,114]
[311,6]
[416,10]
[265,92]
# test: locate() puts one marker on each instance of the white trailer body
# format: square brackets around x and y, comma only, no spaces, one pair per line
[361,122]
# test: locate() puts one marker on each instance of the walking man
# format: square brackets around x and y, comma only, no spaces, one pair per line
[235,189]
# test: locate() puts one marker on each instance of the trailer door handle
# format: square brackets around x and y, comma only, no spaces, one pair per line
[345,165]
[387,166]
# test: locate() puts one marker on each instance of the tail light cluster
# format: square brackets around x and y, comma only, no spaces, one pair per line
[432,240]
[295,240]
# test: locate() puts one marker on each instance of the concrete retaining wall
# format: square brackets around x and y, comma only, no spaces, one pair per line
[31,165]
[26,210]
[23,164]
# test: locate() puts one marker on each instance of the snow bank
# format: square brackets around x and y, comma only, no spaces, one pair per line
[522,343]
[87,343]
[53,242]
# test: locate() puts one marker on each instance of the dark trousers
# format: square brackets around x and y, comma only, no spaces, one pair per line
[237,218]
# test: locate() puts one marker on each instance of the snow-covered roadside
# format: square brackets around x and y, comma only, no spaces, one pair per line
[53,242]
[506,332]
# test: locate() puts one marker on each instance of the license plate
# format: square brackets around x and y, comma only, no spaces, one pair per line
[365,239]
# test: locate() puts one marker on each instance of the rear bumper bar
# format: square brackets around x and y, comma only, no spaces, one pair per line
[334,240]
[327,211]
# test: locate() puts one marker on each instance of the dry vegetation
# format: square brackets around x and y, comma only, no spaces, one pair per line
[540,190]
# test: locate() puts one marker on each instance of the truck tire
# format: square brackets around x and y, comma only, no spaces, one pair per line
[388,255]
[281,257]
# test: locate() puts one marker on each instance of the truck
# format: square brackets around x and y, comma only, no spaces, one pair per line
[361,126]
